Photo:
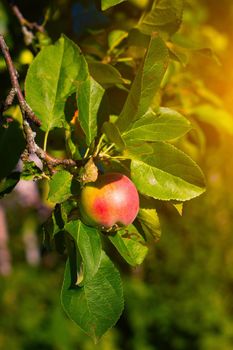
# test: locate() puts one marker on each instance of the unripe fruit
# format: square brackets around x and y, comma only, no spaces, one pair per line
[111,200]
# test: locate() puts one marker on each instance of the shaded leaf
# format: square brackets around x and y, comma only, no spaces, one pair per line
[105,74]
[97,305]
[113,134]
[8,184]
[54,223]
[12,144]
[149,218]
[165,17]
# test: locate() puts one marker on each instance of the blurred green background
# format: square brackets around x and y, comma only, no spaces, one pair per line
[181,298]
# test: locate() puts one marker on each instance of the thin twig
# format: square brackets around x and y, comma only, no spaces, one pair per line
[7,103]
[27,113]
[34,148]
[23,21]
[15,84]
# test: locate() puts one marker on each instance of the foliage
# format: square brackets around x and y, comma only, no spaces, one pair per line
[125,87]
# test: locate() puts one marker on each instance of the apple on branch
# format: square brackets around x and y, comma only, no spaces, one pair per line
[111,201]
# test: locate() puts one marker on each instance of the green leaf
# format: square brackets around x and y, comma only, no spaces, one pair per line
[130,244]
[162,171]
[60,187]
[164,125]
[115,37]
[179,207]
[149,218]
[12,144]
[30,171]
[165,18]
[105,4]
[89,97]
[146,83]
[7,184]
[54,223]
[52,77]
[89,245]
[97,305]
[179,54]
[105,74]
[113,134]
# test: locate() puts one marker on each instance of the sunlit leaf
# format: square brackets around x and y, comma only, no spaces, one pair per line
[164,125]
[146,83]
[89,97]
[179,207]
[52,77]
[162,171]
[105,4]
[60,187]
[115,37]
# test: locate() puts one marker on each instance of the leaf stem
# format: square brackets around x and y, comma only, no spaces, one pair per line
[120,157]
[45,140]
[98,145]
[86,153]
[116,157]
[107,149]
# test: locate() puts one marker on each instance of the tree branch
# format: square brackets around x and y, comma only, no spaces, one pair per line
[28,114]
[15,84]
[23,21]
[8,102]
[9,99]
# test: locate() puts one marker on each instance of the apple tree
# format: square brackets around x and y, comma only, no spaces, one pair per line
[125,158]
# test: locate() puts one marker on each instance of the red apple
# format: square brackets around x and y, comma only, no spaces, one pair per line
[112,199]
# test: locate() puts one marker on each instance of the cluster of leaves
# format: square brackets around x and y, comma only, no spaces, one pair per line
[139,141]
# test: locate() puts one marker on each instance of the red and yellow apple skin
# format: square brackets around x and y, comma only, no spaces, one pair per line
[111,200]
